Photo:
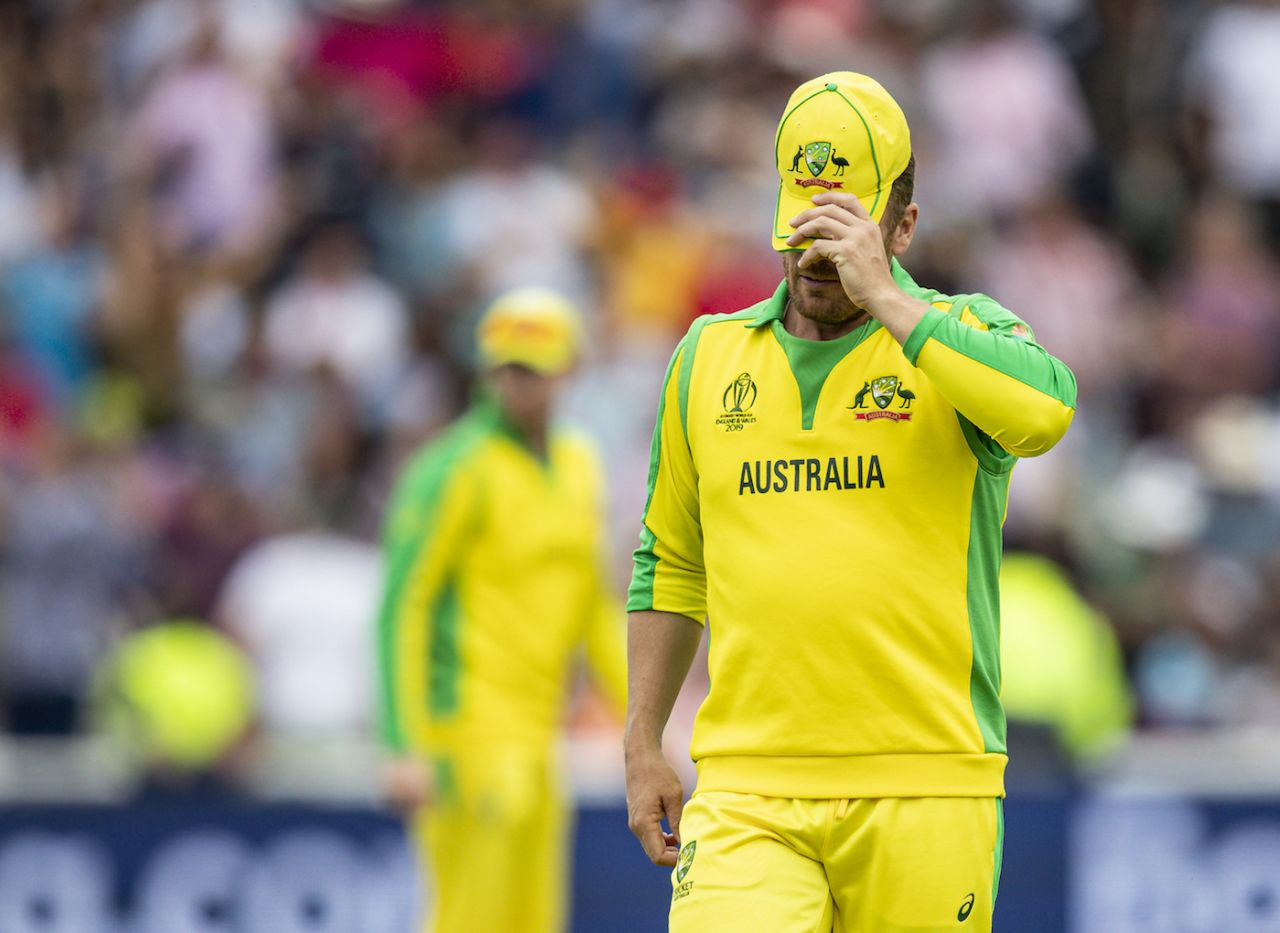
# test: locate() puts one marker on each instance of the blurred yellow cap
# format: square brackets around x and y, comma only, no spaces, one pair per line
[841,131]
[533,327]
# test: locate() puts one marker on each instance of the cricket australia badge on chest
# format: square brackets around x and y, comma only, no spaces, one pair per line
[884,391]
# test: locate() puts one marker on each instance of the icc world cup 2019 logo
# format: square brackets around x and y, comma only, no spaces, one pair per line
[739,396]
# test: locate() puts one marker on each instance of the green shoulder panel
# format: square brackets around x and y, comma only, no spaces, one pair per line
[645,561]
[690,346]
[996,316]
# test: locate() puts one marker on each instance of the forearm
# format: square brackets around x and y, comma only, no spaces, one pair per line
[660,650]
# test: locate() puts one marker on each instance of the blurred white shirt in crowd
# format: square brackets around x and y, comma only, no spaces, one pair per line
[522,226]
[304,607]
[356,324]
[258,35]
[1231,72]
[19,206]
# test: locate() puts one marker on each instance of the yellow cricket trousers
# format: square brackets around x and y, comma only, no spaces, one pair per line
[494,841]
[751,864]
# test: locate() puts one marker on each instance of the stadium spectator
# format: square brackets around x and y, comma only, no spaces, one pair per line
[335,313]
[1008,115]
[300,604]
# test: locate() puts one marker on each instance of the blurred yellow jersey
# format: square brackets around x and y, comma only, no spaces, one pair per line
[495,580]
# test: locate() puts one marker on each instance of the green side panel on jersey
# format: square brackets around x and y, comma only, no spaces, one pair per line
[811,362]
[992,457]
[410,522]
[999,853]
[445,791]
[444,651]
[990,494]
[644,561]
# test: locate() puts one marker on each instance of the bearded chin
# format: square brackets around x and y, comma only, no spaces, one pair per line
[823,311]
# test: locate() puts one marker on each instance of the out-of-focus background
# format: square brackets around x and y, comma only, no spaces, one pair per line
[243,245]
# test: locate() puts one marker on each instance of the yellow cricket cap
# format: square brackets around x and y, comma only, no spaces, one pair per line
[533,327]
[841,131]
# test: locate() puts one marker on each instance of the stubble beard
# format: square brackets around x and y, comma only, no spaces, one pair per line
[822,309]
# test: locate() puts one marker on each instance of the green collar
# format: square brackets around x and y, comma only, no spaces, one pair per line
[486,413]
[772,309]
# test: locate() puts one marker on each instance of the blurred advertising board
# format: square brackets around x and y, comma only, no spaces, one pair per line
[1175,864]
[1093,864]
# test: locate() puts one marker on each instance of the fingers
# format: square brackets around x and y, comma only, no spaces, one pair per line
[848,202]
[662,848]
[820,228]
[670,854]
[834,211]
[673,803]
[654,842]
[833,216]
[645,822]
[821,249]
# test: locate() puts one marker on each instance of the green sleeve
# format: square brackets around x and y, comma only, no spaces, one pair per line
[668,573]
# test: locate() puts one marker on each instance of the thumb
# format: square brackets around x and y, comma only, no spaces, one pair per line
[674,805]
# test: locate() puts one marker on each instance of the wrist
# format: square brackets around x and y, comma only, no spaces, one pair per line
[641,740]
[882,298]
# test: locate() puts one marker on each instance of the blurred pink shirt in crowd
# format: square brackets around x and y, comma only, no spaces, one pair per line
[1073,286]
[214,132]
[1010,121]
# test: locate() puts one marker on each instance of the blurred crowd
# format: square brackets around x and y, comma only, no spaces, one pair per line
[243,246]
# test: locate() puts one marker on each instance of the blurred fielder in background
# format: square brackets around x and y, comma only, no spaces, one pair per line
[828,482]
[494,541]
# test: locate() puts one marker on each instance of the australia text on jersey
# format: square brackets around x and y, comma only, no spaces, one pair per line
[810,474]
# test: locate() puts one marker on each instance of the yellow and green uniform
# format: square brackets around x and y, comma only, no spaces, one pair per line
[834,510]
[494,583]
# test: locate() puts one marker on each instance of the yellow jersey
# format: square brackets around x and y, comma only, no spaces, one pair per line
[833,509]
[495,580]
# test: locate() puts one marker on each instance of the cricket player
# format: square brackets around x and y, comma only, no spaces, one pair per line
[828,482]
[495,580]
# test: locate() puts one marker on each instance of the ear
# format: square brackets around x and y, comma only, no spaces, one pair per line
[900,238]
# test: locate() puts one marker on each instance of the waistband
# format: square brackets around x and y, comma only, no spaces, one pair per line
[862,776]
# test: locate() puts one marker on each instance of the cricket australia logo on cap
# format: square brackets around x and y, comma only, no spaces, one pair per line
[883,391]
[817,156]
[739,396]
